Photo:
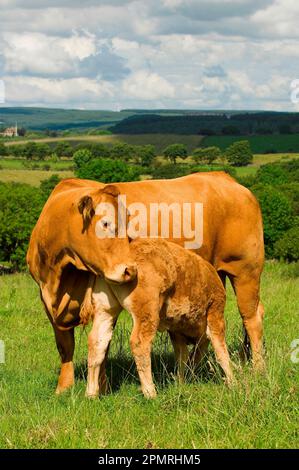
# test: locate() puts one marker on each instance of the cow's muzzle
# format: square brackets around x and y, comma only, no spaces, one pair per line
[122,273]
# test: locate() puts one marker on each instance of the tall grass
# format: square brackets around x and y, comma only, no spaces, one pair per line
[260,411]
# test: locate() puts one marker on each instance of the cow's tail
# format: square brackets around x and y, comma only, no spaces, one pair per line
[87,307]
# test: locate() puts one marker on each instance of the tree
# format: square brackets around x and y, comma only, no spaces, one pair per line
[206,155]
[122,151]
[273,173]
[277,213]
[230,130]
[17,151]
[174,151]
[145,154]
[287,247]
[64,149]
[30,150]
[100,150]
[48,185]
[239,153]
[107,171]
[3,150]
[82,157]
[20,206]
[22,131]
[42,151]
[97,150]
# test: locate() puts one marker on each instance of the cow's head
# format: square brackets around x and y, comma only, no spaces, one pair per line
[104,245]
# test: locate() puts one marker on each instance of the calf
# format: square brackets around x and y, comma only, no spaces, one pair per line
[175,290]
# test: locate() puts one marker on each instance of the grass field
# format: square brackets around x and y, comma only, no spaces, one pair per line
[33,177]
[21,164]
[76,139]
[281,143]
[260,411]
[15,170]
[160,141]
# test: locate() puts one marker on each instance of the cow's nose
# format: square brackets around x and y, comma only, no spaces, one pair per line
[122,273]
[130,272]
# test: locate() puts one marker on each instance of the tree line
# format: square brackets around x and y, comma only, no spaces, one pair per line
[276,186]
[237,154]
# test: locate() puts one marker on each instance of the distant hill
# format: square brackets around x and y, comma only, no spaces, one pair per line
[209,123]
[58,119]
[159,121]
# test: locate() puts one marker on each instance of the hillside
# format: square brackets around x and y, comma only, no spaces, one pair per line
[58,119]
[209,123]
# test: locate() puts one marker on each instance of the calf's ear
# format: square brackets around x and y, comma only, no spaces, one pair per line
[85,207]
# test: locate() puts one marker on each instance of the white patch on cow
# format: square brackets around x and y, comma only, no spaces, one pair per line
[103,297]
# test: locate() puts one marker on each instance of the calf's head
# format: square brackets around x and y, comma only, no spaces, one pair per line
[104,245]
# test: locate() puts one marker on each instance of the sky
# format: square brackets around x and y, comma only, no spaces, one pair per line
[183,54]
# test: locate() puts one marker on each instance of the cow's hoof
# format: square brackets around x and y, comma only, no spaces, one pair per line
[60,390]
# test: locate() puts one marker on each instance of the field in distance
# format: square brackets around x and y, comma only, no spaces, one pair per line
[32,177]
[15,170]
[280,143]
[260,144]
[160,141]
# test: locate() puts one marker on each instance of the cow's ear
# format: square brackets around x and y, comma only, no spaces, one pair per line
[111,190]
[85,207]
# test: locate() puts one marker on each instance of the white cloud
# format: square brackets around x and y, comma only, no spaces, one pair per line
[43,90]
[38,53]
[149,86]
[149,53]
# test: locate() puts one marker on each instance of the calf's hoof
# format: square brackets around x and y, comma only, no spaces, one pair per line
[91,396]
[259,365]
[149,393]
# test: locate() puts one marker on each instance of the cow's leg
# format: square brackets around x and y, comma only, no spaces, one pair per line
[181,354]
[65,341]
[216,333]
[252,313]
[106,311]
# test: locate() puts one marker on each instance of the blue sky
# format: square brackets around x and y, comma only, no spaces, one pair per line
[200,54]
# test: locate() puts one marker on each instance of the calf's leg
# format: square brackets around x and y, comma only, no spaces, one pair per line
[143,333]
[181,354]
[98,343]
[199,351]
[106,311]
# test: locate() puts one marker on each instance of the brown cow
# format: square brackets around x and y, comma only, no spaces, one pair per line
[232,243]
[164,296]
[65,241]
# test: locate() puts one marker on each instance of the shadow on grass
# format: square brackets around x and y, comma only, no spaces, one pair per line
[121,369]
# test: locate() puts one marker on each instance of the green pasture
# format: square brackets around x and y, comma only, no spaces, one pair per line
[259,411]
